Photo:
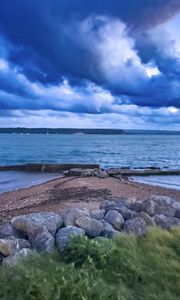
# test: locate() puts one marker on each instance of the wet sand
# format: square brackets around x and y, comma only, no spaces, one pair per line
[59,194]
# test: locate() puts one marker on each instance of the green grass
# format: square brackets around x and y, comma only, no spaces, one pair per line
[144,268]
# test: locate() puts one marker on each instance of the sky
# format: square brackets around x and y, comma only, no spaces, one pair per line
[90,64]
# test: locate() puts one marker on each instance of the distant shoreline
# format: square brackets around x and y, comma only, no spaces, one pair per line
[81,131]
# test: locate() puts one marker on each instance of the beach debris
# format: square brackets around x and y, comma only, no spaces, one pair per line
[46,231]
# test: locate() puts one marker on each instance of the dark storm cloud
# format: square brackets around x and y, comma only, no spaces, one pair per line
[42,40]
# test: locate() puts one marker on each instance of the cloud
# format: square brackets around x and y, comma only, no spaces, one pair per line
[91,57]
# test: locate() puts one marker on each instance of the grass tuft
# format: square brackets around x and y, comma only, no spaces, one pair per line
[126,268]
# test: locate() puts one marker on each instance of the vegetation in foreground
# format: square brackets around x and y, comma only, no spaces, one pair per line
[146,268]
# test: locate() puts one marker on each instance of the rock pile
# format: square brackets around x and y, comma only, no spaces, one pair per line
[43,232]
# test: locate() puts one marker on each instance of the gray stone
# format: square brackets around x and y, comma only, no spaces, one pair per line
[42,241]
[64,235]
[166,222]
[165,210]
[27,223]
[6,230]
[101,174]
[82,172]
[108,230]
[162,200]
[149,207]
[177,214]
[176,205]
[125,212]
[97,214]
[147,218]
[17,257]
[115,219]
[152,208]
[72,214]
[136,226]
[10,246]
[134,204]
[106,204]
[91,226]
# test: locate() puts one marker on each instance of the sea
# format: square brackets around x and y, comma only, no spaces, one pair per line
[126,150]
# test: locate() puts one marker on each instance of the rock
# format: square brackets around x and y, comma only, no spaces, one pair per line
[147,218]
[97,214]
[82,172]
[125,212]
[136,226]
[152,208]
[134,204]
[107,204]
[41,240]
[177,214]
[166,222]
[72,214]
[9,247]
[108,230]
[165,210]
[149,207]
[17,257]
[27,223]
[6,230]
[115,219]
[101,174]
[64,235]
[91,226]
[176,205]
[162,200]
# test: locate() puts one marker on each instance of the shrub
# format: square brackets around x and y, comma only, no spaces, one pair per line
[127,268]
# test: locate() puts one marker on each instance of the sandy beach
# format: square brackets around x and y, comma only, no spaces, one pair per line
[59,194]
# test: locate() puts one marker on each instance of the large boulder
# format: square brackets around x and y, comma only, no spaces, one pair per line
[177,214]
[124,211]
[72,214]
[108,230]
[176,205]
[115,219]
[6,231]
[162,200]
[152,208]
[134,204]
[107,204]
[166,222]
[19,256]
[136,226]
[27,223]
[10,246]
[42,240]
[150,221]
[97,214]
[64,235]
[91,226]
